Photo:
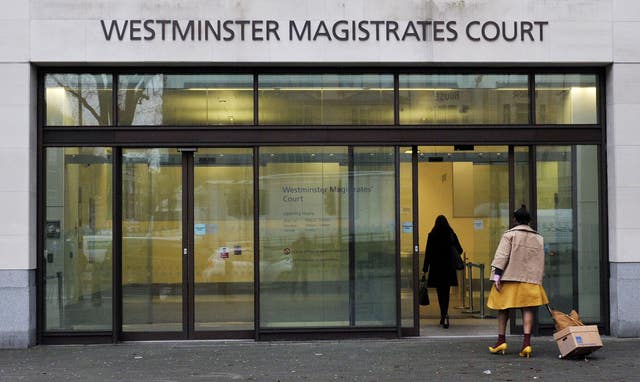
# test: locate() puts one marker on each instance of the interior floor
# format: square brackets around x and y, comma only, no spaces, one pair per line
[463,321]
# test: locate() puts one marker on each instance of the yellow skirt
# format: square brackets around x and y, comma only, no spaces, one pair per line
[515,294]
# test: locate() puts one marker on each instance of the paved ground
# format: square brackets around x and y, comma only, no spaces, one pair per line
[408,359]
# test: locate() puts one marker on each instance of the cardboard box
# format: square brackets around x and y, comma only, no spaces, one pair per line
[578,340]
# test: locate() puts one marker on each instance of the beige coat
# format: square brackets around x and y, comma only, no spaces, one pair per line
[520,255]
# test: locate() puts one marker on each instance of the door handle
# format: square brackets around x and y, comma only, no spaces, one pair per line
[185,251]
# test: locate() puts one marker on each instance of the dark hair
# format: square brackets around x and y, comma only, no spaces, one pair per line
[441,224]
[521,215]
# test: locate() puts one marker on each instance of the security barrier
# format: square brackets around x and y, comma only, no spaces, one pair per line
[469,284]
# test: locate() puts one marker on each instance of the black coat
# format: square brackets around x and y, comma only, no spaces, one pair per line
[438,259]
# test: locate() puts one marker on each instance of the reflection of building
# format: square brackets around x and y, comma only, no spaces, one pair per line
[133,158]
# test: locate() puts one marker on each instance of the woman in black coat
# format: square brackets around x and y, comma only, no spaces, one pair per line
[439,262]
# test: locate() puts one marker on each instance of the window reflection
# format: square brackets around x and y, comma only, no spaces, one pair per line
[78,99]
[185,100]
[326,99]
[304,237]
[223,239]
[151,240]
[566,99]
[568,219]
[463,99]
[78,239]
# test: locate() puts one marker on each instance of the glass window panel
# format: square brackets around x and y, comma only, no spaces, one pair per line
[568,219]
[326,99]
[78,99]
[463,99]
[406,237]
[190,99]
[223,232]
[151,240]
[374,196]
[304,237]
[566,99]
[78,239]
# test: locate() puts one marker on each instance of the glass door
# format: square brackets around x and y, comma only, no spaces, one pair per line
[187,243]
[152,241]
[469,185]
[222,269]
[328,238]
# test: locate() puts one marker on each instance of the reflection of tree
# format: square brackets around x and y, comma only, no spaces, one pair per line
[97,99]
[130,95]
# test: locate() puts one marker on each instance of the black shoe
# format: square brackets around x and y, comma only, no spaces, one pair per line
[446,322]
[441,321]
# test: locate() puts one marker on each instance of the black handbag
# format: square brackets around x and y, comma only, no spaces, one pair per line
[458,263]
[423,292]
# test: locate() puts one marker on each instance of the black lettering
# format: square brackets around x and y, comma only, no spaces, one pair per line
[322,30]
[353,30]
[230,33]
[541,24]
[484,31]
[364,31]
[377,25]
[410,30]
[134,29]
[208,27]
[526,30]
[114,24]
[451,27]
[340,34]
[299,34]
[438,29]
[469,31]
[188,29]
[392,28]
[148,28]
[242,24]
[272,28]
[163,25]
[256,28]
[504,31]
[425,27]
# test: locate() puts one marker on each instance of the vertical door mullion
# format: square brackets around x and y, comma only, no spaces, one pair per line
[512,195]
[396,162]
[187,245]
[533,209]
[512,180]
[256,242]
[416,237]
[116,237]
[573,160]
[352,244]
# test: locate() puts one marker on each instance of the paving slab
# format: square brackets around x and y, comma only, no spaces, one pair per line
[405,359]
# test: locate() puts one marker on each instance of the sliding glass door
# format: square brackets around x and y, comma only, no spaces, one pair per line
[328,236]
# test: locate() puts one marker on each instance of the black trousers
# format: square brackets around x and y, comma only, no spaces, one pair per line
[443,299]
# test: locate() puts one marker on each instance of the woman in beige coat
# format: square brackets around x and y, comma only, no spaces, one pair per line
[517,270]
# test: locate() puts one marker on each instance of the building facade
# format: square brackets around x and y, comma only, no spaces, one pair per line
[262,169]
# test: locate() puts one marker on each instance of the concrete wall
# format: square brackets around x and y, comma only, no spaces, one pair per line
[18,185]
[70,31]
[623,159]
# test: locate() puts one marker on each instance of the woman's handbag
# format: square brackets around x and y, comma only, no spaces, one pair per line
[423,292]
[456,258]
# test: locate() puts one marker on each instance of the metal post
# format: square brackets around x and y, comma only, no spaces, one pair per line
[60,306]
[463,285]
[481,290]
[470,287]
